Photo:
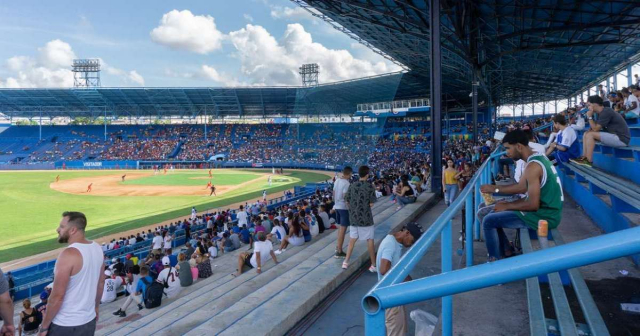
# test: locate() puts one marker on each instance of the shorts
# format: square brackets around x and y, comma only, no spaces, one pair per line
[611,140]
[247,260]
[361,232]
[342,217]
[88,328]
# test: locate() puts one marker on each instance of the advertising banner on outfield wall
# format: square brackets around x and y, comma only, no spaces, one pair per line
[96,165]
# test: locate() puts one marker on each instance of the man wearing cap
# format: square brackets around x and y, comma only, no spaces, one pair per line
[41,307]
[169,278]
[389,253]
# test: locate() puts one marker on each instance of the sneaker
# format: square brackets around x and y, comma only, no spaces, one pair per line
[584,162]
[116,313]
[140,307]
[372,269]
[398,208]
[345,265]
[340,255]
[278,252]
[122,314]
[579,160]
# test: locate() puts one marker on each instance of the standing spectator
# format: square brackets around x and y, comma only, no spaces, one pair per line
[12,285]
[167,243]
[29,319]
[616,135]
[41,307]
[157,243]
[340,188]
[242,216]
[78,281]
[360,198]
[6,308]
[389,252]
[170,279]
[449,183]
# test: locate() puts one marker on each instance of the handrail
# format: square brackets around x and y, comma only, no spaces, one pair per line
[580,253]
[543,127]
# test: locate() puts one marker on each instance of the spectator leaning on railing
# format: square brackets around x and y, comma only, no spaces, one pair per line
[610,129]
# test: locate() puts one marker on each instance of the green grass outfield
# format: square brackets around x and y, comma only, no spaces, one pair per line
[31,209]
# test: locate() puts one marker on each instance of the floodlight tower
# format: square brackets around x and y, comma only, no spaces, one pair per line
[309,73]
[86,73]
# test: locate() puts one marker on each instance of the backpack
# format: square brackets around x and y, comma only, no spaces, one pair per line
[153,294]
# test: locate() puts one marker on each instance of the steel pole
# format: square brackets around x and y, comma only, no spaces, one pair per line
[474,104]
[436,97]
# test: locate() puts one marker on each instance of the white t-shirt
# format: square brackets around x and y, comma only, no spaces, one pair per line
[264,248]
[213,252]
[520,164]
[313,226]
[109,291]
[167,242]
[170,276]
[628,102]
[568,137]
[157,242]
[242,218]
[340,188]
[325,219]
[132,241]
[279,232]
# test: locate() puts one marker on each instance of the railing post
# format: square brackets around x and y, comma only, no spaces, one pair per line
[476,222]
[374,324]
[447,301]
[469,214]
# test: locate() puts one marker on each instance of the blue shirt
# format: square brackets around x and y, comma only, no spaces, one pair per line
[245,236]
[236,229]
[141,287]
[173,260]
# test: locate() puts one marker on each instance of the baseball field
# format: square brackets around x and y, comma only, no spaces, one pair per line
[31,202]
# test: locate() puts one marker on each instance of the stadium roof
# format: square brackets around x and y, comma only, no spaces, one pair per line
[328,99]
[523,51]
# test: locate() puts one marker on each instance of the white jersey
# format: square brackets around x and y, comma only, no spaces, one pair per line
[79,303]
[170,276]
[109,292]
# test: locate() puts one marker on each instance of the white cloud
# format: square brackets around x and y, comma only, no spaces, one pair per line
[183,30]
[291,13]
[248,17]
[210,72]
[52,68]
[267,61]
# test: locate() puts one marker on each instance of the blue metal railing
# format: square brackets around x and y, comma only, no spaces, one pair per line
[391,292]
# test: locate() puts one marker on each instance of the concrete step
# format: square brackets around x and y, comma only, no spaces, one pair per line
[277,306]
[220,290]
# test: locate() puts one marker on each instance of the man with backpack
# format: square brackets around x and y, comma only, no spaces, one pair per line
[141,292]
[169,279]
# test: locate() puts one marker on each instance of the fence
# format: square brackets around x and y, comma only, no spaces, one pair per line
[390,292]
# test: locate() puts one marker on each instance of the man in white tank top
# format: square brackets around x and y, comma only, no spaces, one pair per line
[78,282]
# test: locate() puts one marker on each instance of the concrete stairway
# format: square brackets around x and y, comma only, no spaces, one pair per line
[273,300]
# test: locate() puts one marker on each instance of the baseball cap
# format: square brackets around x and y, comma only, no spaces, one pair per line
[44,296]
[415,230]
[114,260]
[107,272]
[166,261]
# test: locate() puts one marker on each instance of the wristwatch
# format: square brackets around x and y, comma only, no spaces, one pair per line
[590,118]
[497,190]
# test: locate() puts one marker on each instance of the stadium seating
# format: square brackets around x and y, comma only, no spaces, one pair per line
[226,305]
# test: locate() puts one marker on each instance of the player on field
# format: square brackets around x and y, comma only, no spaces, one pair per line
[208,185]
[89,187]
[264,195]
[269,180]
[193,213]
[165,170]
[58,178]
[213,190]
[123,177]
[210,175]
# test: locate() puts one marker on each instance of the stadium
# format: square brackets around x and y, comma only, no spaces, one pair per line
[493,170]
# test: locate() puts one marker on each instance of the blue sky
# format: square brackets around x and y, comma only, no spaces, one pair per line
[175,43]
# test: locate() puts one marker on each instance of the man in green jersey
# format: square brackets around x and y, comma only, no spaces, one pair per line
[544,197]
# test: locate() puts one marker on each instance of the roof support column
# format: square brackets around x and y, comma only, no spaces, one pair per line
[105,123]
[436,107]
[555,103]
[629,76]
[609,84]
[615,82]
[205,123]
[474,105]
[40,127]
[544,107]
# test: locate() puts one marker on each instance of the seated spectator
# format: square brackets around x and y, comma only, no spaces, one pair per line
[184,271]
[261,252]
[170,279]
[30,319]
[245,235]
[212,249]
[204,267]
[324,216]
[405,195]
[296,236]
[189,250]
[140,292]
[610,129]
[109,292]
[543,201]
[566,147]
[631,105]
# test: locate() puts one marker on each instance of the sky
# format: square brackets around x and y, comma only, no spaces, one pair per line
[197,43]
